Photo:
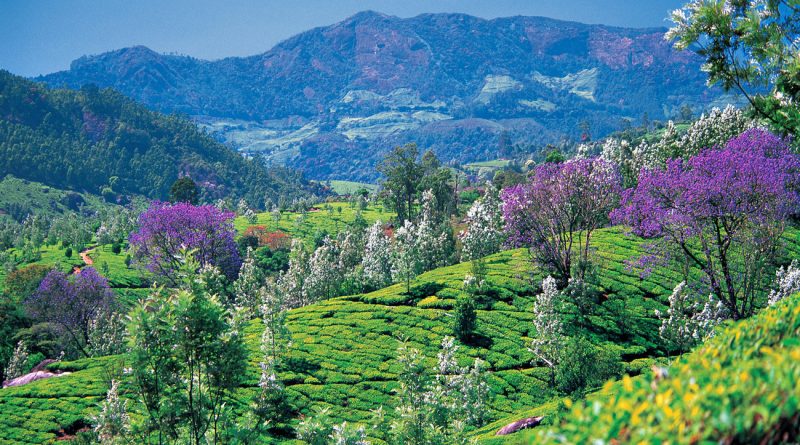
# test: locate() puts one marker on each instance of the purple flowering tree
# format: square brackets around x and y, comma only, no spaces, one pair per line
[555,213]
[724,210]
[70,303]
[166,230]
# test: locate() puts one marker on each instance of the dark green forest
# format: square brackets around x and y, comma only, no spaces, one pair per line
[99,141]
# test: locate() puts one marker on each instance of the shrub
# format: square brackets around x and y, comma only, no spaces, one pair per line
[583,365]
[465,318]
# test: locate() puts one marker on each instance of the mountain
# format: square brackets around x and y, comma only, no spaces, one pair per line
[99,140]
[333,99]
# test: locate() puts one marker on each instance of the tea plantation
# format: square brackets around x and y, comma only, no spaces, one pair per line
[343,357]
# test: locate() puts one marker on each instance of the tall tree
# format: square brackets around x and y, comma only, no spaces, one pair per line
[549,329]
[401,174]
[187,358]
[377,257]
[559,209]
[724,210]
[184,189]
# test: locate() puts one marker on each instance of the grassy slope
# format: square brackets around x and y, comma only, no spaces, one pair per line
[343,349]
[316,220]
[742,386]
[41,199]
[350,187]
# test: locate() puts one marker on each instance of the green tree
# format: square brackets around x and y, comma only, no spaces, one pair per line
[402,175]
[187,358]
[583,365]
[749,46]
[184,189]
[465,318]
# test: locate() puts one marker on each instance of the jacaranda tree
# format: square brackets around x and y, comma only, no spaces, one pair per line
[724,210]
[71,303]
[166,230]
[555,213]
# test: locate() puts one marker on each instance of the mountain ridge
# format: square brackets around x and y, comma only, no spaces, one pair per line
[327,91]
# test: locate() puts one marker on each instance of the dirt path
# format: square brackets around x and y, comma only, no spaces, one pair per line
[85,256]
[86,259]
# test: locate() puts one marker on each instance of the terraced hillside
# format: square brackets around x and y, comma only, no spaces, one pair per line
[343,349]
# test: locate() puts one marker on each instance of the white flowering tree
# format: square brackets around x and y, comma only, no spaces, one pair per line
[787,282]
[434,243]
[679,326]
[276,337]
[18,362]
[324,274]
[107,333]
[247,284]
[405,254]
[292,282]
[435,408]
[113,424]
[377,259]
[320,430]
[351,254]
[549,329]
[484,234]
[713,129]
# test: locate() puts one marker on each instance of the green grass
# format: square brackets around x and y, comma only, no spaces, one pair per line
[37,198]
[119,275]
[50,256]
[316,220]
[350,187]
[343,350]
[497,163]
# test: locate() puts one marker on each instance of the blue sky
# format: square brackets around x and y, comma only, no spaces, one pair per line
[42,36]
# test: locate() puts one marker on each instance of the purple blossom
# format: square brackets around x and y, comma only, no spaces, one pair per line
[724,209]
[559,208]
[752,179]
[70,302]
[165,230]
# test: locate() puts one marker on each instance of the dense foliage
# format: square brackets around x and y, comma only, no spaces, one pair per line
[750,46]
[724,210]
[100,141]
[168,232]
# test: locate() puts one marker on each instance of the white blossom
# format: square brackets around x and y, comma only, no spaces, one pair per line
[18,362]
[377,257]
[787,282]
[484,234]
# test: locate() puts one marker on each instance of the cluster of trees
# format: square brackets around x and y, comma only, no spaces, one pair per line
[721,209]
[406,178]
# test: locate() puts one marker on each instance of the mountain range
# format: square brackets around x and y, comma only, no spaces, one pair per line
[332,100]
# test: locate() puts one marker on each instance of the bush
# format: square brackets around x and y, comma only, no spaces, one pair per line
[584,365]
[116,248]
[68,252]
[22,283]
[465,318]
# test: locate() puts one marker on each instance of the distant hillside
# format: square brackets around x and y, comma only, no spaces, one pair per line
[94,139]
[471,89]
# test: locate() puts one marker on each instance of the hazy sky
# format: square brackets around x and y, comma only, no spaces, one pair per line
[42,36]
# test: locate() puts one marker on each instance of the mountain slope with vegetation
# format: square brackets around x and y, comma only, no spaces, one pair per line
[343,350]
[101,142]
[469,88]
